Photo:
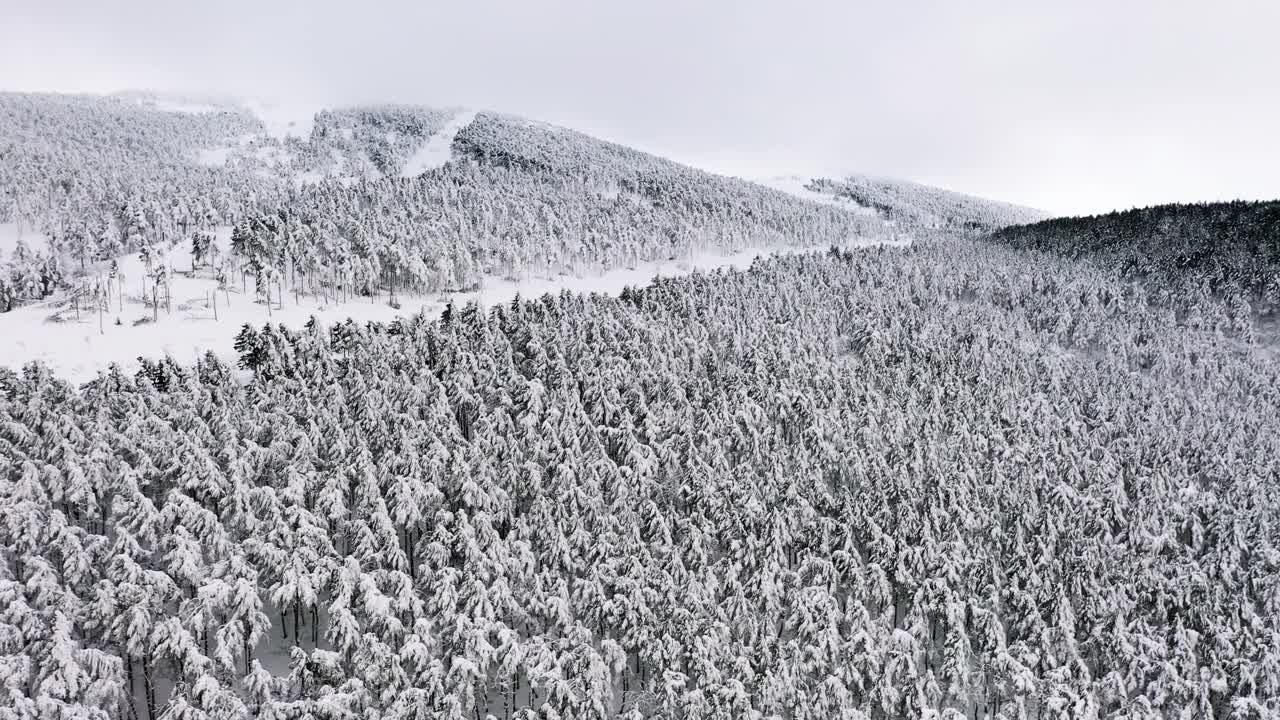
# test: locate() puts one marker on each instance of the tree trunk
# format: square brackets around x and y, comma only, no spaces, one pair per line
[149,688]
[128,673]
[408,550]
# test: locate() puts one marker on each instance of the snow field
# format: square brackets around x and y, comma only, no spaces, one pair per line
[438,149]
[199,317]
[795,185]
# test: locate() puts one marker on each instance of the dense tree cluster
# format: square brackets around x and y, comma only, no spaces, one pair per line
[387,135]
[525,197]
[111,167]
[103,176]
[449,227]
[923,207]
[1234,247]
[933,482]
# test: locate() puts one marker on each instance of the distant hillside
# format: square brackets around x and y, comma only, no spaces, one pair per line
[368,198]
[385,135]
[112,166]
[912,205]
[522,197]
[392,197]
[120,171]
[514,143]
[1232,245]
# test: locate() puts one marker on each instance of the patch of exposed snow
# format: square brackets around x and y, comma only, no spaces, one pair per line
[438,149]
[309,177]
[370,171]
[12,232]
[338,171]
[796,185]
[78,350]
[213,157]
[177,102]
[178,106]
[285,119]
[272,155]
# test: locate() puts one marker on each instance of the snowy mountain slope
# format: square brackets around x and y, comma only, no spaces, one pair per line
[438,149]
[381,137]
[1231,247]
[801,187]
[180,102]
[324,218]
[922,207]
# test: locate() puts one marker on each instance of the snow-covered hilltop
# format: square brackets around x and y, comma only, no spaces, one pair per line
[437,151]
[366,211]
[921,206]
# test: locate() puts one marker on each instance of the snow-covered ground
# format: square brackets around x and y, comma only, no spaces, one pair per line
[11,232]
[77,349]
[213,157]
[284,119]
[795,185]
[178,102]
[438,149]
[181,106]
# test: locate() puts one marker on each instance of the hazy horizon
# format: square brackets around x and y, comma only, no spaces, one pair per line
[1074,109]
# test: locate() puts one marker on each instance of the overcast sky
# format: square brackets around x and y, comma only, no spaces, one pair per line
[1070,106]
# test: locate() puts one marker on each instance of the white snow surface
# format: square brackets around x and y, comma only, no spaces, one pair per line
[795,185]
[11,232]
[213,157]
[181,106]
[76,349]
[438,149]
[285,119]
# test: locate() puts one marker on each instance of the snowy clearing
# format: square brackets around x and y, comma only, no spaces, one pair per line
[178,106]
[78,348]
[795,185]
[213,157]
[283,120]
[438,149]
[12,232]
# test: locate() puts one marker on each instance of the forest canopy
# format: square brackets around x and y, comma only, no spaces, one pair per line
[1234,247]
[940,481]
